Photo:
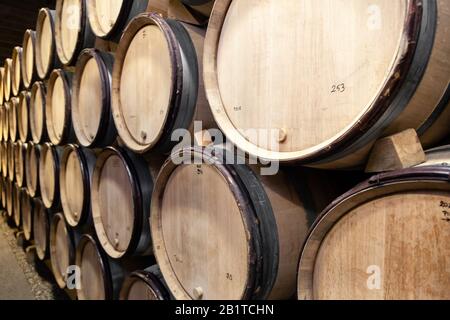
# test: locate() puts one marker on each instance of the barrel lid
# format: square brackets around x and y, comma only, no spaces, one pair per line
[41,228]
[16,78]
[144,285]
[45,42]
[315,86]
[37,112]
[28,60]
[104,15]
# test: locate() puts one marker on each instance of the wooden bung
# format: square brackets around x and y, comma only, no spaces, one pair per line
[26,205]
[62,248]
[20,153]
[29,73]
[59,108]
[23,116]
[16,66]
[121,192]
[249,227]
[7,79]
[146,111]
[108,18]
[49,167]
[41,229]
[72,30]
[32,169]
[91,99]
[46,56]
[321,94]
[37,112]
[77,166]
[145,285]
[101,276]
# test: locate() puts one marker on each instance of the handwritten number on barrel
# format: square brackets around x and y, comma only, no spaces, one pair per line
[338,88]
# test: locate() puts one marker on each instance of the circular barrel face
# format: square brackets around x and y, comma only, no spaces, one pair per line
[61,249]
[17,71]
[28,60]
[40,229]
[140,290]
[114,205]
[11,161]
[388,242]
[23,116]
[58,106]
[5,120]
[32,169]
[45,43]
[16,203]
[37,112]
[88,99]
[13,125]
[103,15]
[72,187]
[4,194]
[68,28]
[142,85]
[312,77]
[7,79]
[202,194]
[2,77]
[27,214]
[19,162]
[47,178]
[92,273]
[9,199]
[4,159]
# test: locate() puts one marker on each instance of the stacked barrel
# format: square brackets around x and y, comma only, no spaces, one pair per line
[99,115]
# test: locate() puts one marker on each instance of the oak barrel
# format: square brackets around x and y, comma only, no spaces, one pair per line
[37,112]
[23,116]
[144,285]
[4,159]
[59,107]
[16,77]
[72,30]
[32,169]
[26,205]
[29,73]
[108,18]
[46,56]
[248,227]
[20,155]
[101,277]
[77,166]
[4,195]
[9,198]
[385,239]
[12,119]
[91,99]
[5,122]
[2,110]
[121,192]
[41,229]
[62,249]
[7,79]
[323,89]
[2,77]
[16,205]
[11,160]
[49,167]
[157,83]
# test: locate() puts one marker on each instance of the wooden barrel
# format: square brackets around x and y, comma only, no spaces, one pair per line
[2,111]
[121,191]
[108,19]
[9,198]
[101,277]
[77,166]
[62,249]
[143,285]
[10,159]
[91,99]
[4,159]
[23,116]
[26,205]
[7,79]
[4,195]
[49,164]
[5,121]
[324,100]
[37,112]
[2,77]
[72,30]
[16,77]
[16,205]
[153,48]
[248,227]
[12,119]
[29,73]
[59,108]
[46,56]
[41,229]
[32,169]
[2,156]
[20,155]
